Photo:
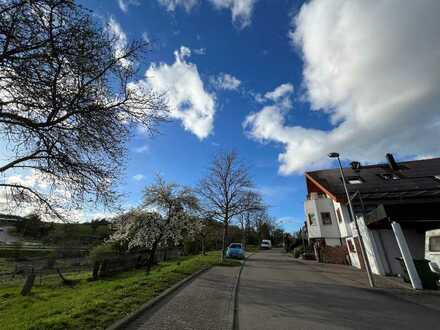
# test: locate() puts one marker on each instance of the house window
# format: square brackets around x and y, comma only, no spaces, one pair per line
[326,218]
[338,214]
[311,219]
[434,244]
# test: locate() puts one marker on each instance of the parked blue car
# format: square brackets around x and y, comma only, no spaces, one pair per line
[235,250]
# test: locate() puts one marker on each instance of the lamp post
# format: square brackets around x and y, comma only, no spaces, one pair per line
[353,218]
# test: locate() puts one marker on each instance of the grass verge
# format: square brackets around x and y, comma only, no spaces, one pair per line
[92,305]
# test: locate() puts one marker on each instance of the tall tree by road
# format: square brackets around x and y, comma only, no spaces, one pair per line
[247,219]
[227,191]
[66,106]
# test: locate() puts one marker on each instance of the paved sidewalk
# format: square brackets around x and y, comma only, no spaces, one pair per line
[204,303]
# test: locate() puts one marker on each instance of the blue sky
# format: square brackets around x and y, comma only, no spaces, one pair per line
[338,72]
[244,53]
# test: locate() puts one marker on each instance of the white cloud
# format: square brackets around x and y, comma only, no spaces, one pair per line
[199,51]
[241,10]
[171,5]
[225,81]
[280,92]
[116,31]
[55,193]
[138,177]
[184,89]
[146,37]
[142,149]
[373,68]
[124,4]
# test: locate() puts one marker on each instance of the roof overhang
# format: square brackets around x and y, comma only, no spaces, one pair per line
[322,188]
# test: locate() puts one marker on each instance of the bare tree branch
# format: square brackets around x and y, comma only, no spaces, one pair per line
[66,107]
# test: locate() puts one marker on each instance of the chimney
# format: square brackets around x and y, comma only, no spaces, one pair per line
[392,163]
[356,166]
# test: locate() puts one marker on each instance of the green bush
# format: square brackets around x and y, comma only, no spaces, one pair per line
[298,251]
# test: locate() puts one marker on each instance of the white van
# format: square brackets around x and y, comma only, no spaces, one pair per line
[432,246]
[266,244]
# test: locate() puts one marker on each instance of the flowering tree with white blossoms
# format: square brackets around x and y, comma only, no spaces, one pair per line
[170,223]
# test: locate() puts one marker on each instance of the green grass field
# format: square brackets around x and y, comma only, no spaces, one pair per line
[92,305]
[6,266]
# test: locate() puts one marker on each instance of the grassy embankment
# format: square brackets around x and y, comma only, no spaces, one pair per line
[93,305]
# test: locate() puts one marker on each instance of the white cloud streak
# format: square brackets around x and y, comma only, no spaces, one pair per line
[142,149]
[241,10]
[124,4]
[372,66]
[118,33]
[138,177]
[225,81]
[171,5]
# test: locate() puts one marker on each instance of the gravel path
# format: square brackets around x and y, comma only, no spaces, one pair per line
[204,303]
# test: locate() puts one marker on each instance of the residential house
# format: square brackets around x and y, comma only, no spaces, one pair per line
[395,204]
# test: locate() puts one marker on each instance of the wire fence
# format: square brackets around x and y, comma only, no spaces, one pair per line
[43,268]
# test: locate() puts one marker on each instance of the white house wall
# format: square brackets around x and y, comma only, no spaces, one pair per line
[344,226]
[318,229]
[314,231]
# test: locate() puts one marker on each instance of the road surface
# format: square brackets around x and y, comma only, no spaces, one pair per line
[278,292]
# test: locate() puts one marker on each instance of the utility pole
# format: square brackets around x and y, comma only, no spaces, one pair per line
[353,218]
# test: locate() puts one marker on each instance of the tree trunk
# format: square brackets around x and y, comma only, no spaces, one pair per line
[225,235]
[28,284]
[150,260]
[95,273]
[203,246]
[65,280]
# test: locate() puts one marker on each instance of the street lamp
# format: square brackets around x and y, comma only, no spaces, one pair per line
[353,218]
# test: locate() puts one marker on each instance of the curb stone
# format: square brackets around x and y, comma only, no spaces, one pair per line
[234,321]
[153,302]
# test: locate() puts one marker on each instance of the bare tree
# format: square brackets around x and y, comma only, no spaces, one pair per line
[248,218]
[66,105]
[225,191]
[263,224]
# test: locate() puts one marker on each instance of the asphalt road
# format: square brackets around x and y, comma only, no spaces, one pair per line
[279,292]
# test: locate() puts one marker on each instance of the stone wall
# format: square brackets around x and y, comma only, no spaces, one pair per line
[334,254]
